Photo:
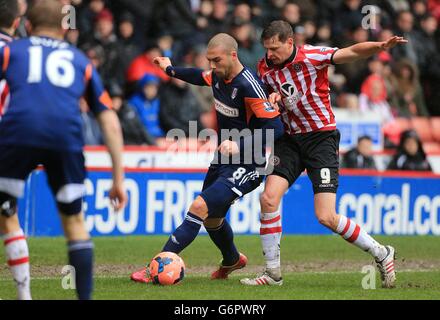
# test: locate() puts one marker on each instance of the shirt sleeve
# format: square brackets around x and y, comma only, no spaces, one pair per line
[191,75]
[320,57]
[96,96]
[5,53]
[256,101]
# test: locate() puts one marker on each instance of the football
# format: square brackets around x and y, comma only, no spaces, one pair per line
[167,268]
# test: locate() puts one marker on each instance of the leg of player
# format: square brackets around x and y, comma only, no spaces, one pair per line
[325,204]
[181,237]
[80,248]
[190,227]
[221,234]
[270,231]
[17,253]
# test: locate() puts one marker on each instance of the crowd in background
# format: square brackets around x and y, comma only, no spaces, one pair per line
[122,37]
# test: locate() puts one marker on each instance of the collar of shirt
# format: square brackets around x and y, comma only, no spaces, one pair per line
[5,36]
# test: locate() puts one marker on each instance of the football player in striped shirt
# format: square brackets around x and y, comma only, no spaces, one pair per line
[298,81]
[242,105]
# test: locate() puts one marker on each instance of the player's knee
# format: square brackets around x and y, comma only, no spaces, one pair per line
[269,202]
[199,208]
[8,205]
[327,219]
[213,223]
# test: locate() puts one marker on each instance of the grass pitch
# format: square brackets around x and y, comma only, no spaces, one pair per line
[314,267]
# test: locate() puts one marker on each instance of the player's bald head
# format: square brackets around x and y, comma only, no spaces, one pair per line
[224,41]
[46,14]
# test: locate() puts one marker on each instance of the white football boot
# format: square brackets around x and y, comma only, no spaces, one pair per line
[386,268]
[266,278]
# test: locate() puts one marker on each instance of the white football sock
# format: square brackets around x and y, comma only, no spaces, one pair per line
[270,234]
[354,234]
[17,255]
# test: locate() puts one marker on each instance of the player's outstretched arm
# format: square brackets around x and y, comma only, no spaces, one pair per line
[111,130]
[191,75]
[364,50]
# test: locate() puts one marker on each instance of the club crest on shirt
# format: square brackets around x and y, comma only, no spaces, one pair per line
[234,93]
[297,67]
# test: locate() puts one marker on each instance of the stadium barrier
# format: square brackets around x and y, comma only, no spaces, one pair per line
[389,203]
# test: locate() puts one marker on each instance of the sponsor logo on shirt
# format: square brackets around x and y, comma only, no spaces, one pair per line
[226,110]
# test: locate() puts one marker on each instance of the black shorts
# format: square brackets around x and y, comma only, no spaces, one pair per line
[318,152]
[65,172]
[226,183]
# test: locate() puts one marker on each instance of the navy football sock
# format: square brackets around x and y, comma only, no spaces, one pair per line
[223,237]
[184,234]
[81,258]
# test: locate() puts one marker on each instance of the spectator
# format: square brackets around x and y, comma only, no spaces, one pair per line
[178,107]
[310,30]
[355,72]
[292,14]
[410,100]
[410,154]
[143,64]
[72,37]
[347,17]
[360,157]
[133,130]
[87,15]
[147,104]
[434,8]
[250,49]
[218,21]
[242,11]
[323,35]
[111,68]
[300,35]
[374,90]
[373,97]
[127,42]
[197,58]
[405,28]
[182,20]
[165,43]
[272,10]
[419,9]
[429,64]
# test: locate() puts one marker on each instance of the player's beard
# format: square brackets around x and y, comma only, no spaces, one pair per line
[219,74]
[224,74]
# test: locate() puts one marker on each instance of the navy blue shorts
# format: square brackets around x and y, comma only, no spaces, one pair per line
[65,172]
[224,184]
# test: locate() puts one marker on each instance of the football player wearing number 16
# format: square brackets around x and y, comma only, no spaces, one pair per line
[241,104]
[42,125]
[298,81]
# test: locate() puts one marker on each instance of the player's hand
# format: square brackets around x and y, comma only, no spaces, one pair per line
[273,100]
[228,147]
[392,42]
[162,62]
[118,197]
[274,97]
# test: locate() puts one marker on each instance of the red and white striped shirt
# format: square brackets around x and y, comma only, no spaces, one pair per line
[303,84]
[4,89]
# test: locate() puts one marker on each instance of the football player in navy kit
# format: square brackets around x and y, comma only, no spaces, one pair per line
[241,103]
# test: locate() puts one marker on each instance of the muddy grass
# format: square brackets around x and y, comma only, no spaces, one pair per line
[120,270]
